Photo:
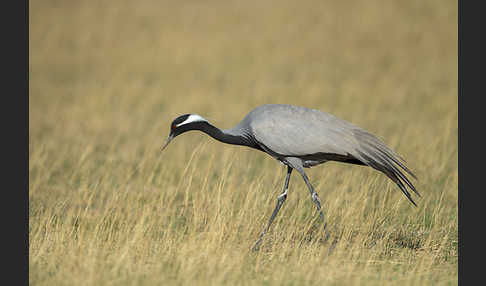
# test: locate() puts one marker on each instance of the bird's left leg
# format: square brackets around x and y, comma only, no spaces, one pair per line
[280,200]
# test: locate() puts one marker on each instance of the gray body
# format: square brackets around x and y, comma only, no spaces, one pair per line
[300,138]
[308,134]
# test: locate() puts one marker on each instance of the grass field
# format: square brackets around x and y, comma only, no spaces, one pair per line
[106,207]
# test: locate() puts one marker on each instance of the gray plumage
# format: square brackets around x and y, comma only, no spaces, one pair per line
[300,138]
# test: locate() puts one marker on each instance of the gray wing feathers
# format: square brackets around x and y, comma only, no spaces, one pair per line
[377,155]
[297,131]
[292,130]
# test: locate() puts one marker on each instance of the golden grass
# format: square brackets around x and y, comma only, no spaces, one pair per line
[107,77]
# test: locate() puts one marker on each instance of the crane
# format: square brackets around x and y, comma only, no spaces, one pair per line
[299,138]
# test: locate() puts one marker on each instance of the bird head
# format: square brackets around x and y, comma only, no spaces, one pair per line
[183,124]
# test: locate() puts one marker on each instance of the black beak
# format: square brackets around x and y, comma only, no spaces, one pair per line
[167,142]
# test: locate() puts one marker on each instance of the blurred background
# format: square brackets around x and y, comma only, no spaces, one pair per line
[129,66]
[106,78]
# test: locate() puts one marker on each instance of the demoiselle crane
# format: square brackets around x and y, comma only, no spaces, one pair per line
[300,138]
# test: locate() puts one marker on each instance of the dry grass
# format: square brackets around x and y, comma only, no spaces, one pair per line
[107,77]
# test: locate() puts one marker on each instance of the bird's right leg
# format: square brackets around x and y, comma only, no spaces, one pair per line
[280,200]
[315,199]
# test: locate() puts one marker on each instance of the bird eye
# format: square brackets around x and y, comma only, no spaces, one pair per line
[174,126]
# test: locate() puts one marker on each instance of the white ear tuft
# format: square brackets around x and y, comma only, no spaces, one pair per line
[192,118]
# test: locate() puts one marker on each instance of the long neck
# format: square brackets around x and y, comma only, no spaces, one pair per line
[235,136]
